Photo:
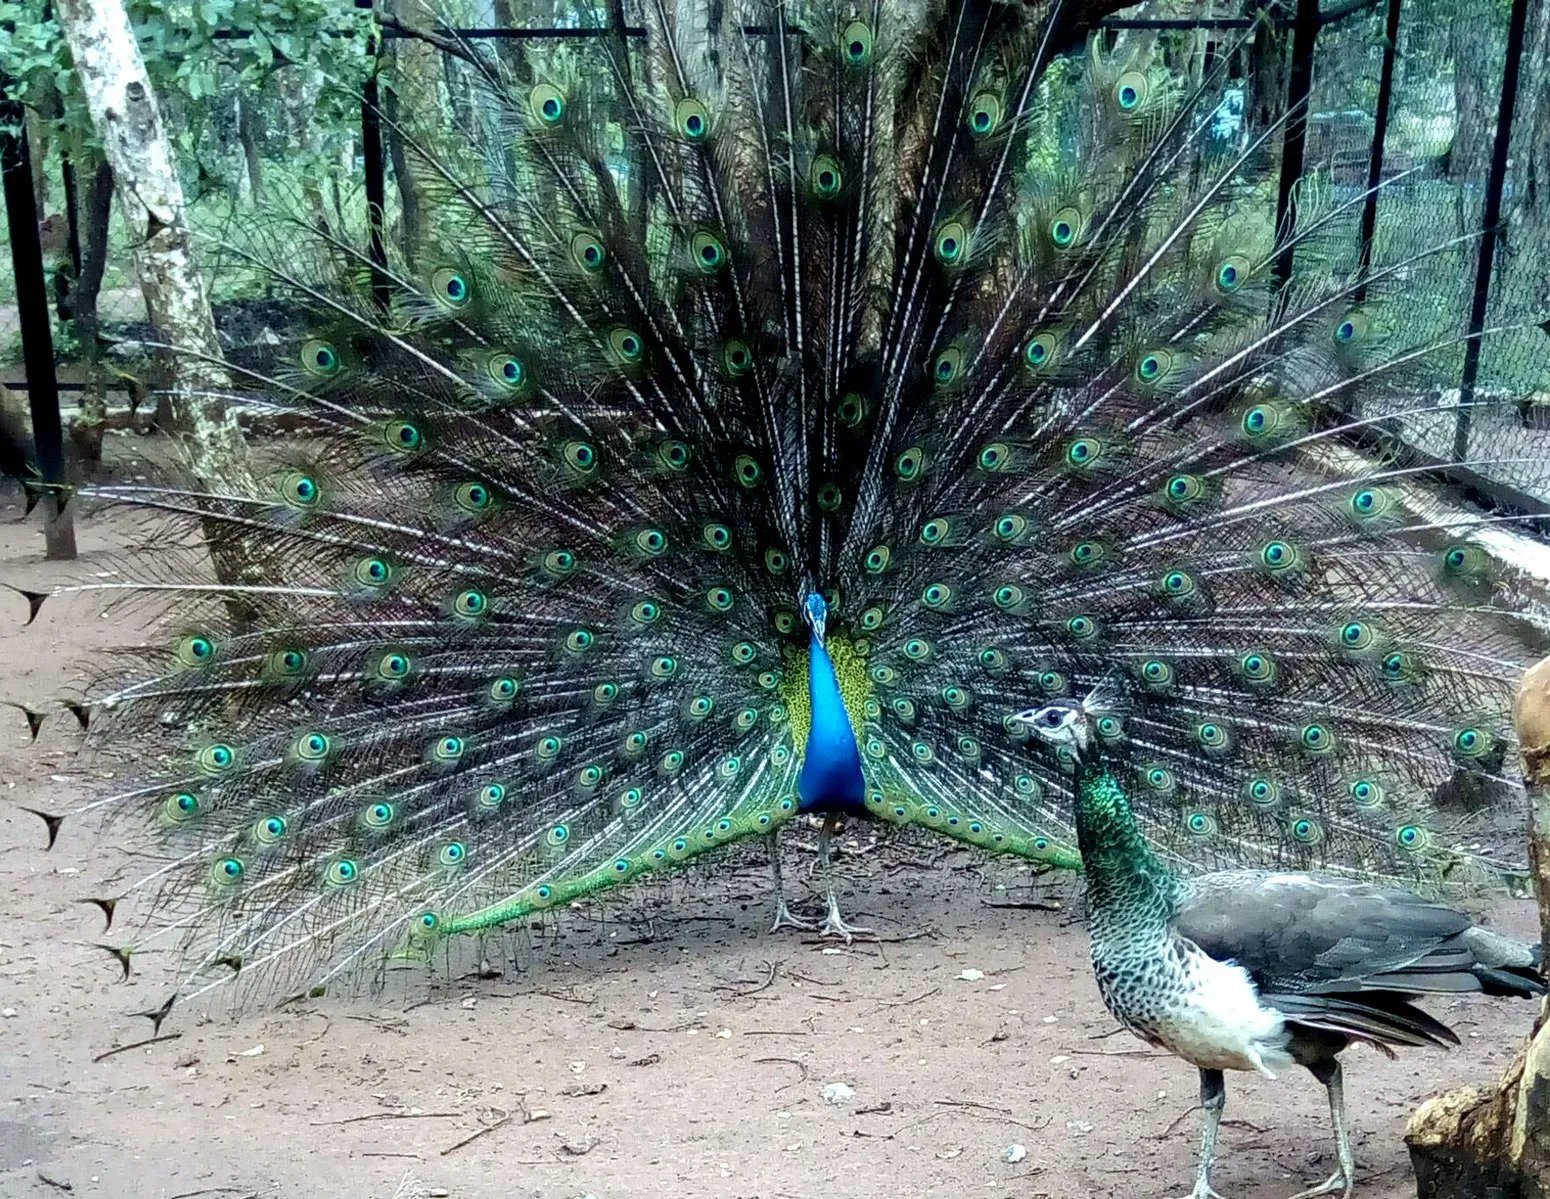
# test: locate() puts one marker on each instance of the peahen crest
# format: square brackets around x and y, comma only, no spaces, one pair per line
[758,433]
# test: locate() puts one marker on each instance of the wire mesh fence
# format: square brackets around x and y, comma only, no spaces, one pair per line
[1376,106]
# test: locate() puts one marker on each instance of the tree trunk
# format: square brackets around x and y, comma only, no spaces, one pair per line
[251,136]
[298,95]
[87,429]
[414,77]
[123,108]
[1474,105]
[1469,1144]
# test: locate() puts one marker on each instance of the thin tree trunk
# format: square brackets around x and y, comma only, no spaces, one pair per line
[297,97]
[124,110]
[87,429]
[1474,106]
[414,77]
[251,136]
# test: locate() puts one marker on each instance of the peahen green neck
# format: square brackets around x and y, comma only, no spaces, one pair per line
[831,779]
[1128,885]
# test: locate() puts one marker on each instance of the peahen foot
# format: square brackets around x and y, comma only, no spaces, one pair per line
[1343,1179]
[785,919]
[1203,1190]
[1338,1181]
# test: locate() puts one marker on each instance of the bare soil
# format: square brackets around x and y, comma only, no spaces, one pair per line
[673,1049]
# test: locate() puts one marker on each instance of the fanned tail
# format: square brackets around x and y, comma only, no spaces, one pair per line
[888,303]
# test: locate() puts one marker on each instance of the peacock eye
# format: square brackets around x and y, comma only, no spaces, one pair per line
[692,119]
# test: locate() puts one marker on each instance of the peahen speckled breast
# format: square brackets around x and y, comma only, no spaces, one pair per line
[771,418]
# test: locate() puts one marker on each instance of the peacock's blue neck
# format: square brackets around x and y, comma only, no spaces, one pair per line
[831,766]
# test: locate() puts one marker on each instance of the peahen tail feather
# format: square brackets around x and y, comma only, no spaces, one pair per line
[888,304]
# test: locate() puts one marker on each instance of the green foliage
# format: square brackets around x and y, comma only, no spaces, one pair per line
[197,52]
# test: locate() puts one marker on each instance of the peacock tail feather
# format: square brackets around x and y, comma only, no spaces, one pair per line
[889,305]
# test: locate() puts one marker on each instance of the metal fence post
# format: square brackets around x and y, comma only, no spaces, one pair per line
[1305,31]
[1380,131]
[1490,222]
[21,209]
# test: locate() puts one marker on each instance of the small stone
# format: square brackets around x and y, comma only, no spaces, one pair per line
[9,1013]
[470,1003]
[1078,1127]
[971,975]
[1050,1019]
[837,1094]
[256,1051]
[577,1067]
[725,1034]
[1014,1153]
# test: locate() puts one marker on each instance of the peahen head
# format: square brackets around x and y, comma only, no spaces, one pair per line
[1062,722]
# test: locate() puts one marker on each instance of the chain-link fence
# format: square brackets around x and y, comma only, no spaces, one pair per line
[1379,82]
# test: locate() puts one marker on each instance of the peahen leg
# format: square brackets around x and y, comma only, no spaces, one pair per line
[833,923]
[1343,1179]
[783,916]
[1213,1098]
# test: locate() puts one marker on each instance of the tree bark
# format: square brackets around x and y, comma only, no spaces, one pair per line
[1471,1143]
[87,430]
[250,136]
[1474,104]
[415,77]
[298,95]
[124,110]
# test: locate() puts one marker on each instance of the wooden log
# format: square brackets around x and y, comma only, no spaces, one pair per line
[1475,1144]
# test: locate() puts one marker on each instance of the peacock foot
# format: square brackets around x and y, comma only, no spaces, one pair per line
[834,925]
[1335,1182]
[785,919]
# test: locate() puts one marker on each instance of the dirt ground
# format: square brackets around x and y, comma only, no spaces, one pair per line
[676,1050]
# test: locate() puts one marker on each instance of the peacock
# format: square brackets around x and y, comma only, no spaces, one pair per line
[767,410]
[1261,970]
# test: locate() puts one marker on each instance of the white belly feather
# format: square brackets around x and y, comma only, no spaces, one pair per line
[1218,1022]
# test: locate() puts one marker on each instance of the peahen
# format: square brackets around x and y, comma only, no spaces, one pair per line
[762,418]
[1261,970]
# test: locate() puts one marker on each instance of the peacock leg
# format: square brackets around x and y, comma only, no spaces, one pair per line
[1343,1179]
[783,916]
[1213,1098]
[833,924]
